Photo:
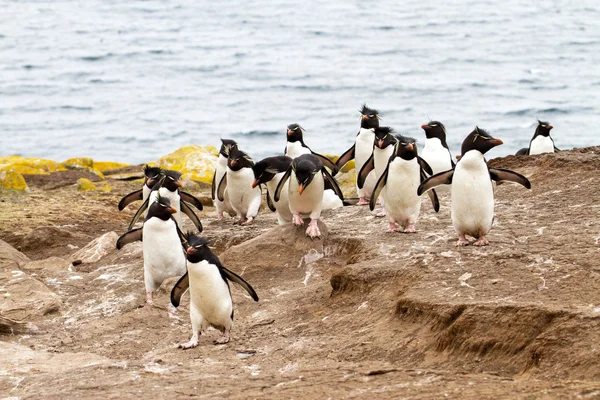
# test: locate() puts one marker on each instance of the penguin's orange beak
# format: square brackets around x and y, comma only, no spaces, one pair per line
[425,126]
[289,132]
[380,143]
[497,142]
[255,183]
[301,188]
[233,162]
[549,127]
[172,210]
[409,146]
[179,184]
[190,250]
[364,117]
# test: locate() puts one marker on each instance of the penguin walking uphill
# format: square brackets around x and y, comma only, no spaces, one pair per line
[236,184]
[307,176]
[295,147]
[169,186]
[436,151]
[541,142]
[472,190]
[151,177]
[220,170]
[163,256]
[210,295]
[361,150]
[383,148]
[403,174]
[269,172]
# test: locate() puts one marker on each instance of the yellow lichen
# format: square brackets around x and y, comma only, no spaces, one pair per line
[84,184]
[347,182]
[31,166]
[10,178]
[346,168]
[85,163]
[194,162]
[104,166]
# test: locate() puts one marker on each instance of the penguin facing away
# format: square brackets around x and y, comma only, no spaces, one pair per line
[307,176]
[210,295]
[541,142]
[436,151]
[237,185]
[472,190]
[400,180]
[295,147]
[361,150]
[220,170]
[151,176]
[269,172]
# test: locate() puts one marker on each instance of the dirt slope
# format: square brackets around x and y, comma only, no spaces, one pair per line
[359,314]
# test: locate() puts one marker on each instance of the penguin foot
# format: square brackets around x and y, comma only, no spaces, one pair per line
[248,221]
[462,242]
[219,216]
[149,301]
[296,220]
[482,241]
[191,344]
[223,339]
[362,202]
[410,229]
[239,221]
[381,213]
[313,230]
[393,228]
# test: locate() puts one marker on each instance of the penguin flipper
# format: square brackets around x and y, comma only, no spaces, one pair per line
[364,172]
[191,199]
[501,174]
[431,193]
[332,183]
[556,149]
[270,202]
[441,178]
[381,182]
[523,152]
[233,277]
[191,214]
[130,198]
[213,186]
[284,178]
[327,162]
[424,166]
[221,188]
[139,213]
[179,289]
[344,158]
[129,237]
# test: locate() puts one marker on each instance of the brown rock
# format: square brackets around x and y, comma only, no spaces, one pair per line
[11,257]
[97,248]
[51,264]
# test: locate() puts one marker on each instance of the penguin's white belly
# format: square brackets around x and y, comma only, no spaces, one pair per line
[163,254]
[209,294]
[472,196]
[282,206]
[331,200]
[145,193]
[310,202]
[402,204]
[244,199]
[380,162]
[541,144]
[225,205]
[295,149]
[362,151]
[437,156]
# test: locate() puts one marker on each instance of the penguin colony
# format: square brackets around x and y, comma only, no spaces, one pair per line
[299,185]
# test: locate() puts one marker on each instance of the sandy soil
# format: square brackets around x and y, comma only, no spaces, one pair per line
[358,314]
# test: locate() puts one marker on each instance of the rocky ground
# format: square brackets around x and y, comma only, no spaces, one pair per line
[358,314]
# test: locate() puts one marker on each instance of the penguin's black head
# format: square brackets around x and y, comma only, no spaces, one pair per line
[369,118]
[172,180]
[306,167]
[479,140]
[406,148]
[294,133]
[226,145]
[197,248]
[161,209]
[152,174]
[435,129]
[238,159]
[543,129]
[266,169]
[384,136]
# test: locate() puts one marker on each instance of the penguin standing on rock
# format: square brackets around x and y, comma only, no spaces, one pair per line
[307,177]
[220,170]
[472,190]
[541,142]
[361,150]
[295,147]
[210,296]
[436,151]
[236,184]
[400,180]
[163,257]
[269,172]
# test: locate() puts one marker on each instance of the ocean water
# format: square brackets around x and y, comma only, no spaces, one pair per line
[133,80]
